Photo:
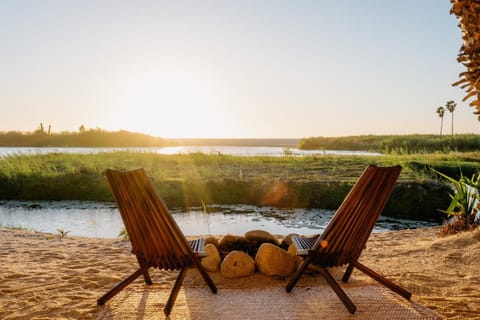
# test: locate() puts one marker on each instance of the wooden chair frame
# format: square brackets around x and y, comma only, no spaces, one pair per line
[156,239]
[346,234]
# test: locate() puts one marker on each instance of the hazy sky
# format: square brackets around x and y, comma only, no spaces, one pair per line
[264,68]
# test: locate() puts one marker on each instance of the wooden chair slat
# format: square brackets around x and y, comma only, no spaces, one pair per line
[156,239]
[347,233]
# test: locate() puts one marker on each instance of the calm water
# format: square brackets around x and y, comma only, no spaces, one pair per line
[102,220]
[232,150]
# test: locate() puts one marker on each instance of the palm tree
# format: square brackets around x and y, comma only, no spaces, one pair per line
[451,105]
[441,113]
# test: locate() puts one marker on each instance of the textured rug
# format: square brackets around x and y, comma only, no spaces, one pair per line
[264,302]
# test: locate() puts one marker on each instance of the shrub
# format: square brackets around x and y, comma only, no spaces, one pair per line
[464,206]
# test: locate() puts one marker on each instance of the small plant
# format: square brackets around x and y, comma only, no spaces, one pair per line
[287,152]
[205,211]
[123,234]
[63,233]
[465,204]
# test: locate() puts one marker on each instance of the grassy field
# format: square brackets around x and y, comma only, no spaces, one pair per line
[187,180]
[397,144]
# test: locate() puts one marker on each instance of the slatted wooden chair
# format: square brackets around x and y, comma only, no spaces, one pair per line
[345,236]
[156,239]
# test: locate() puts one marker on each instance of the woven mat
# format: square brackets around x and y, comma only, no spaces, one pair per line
[271,302]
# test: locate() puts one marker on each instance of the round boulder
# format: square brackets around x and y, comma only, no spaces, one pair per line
[287,240]
[231,242]
[260,236]
[237,264]
[211,261]
[213,240]
[272,260]
[292,250]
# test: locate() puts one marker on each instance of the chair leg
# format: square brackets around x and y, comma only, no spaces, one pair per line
[205,276]
[347,273]
[297,274]
[174,292]
[146,275]
[338,290]
[387,283]
[107,296]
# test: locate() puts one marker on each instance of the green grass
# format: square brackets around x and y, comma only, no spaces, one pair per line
[396,144]
[187,180]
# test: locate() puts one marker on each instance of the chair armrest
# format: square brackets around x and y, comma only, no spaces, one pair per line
[198,246]
[304,244]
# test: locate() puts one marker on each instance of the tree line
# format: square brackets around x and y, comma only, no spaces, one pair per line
[82,138]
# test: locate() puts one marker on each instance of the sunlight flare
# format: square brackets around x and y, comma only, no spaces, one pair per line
[177,104]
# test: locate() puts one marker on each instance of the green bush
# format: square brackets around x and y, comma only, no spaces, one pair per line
[464,205]
[396,144]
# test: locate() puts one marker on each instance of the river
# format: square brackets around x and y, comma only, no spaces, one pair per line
[102,220]
[227,150]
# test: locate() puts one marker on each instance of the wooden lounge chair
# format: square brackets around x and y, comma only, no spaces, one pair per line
[156,239]
[345,236]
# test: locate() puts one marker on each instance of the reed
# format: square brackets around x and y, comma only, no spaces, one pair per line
[396,144]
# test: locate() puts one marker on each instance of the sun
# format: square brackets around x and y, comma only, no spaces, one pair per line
[179,104]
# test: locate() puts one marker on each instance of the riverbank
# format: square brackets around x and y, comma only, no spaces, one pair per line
[188,180]
[49,277]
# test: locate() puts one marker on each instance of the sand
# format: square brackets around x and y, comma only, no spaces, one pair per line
[45,276]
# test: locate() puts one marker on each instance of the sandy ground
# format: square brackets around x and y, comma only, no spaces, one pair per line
[44,276]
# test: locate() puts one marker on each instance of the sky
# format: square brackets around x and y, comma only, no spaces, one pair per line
[231,68]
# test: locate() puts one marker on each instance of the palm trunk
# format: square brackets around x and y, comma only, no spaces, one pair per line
[452,123]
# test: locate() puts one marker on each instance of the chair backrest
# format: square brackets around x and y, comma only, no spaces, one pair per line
[347,232]
[156,239]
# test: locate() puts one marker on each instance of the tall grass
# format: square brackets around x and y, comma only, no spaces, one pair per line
[396,144]
[187,180]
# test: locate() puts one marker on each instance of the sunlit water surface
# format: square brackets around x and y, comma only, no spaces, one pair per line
[230,150]
[102,220]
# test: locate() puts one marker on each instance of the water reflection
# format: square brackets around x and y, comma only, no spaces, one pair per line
[102,220]
[228,150]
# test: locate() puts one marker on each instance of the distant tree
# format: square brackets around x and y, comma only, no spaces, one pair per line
[451,105]
[49,129]
[82,129]
[40,129]
[441,113]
